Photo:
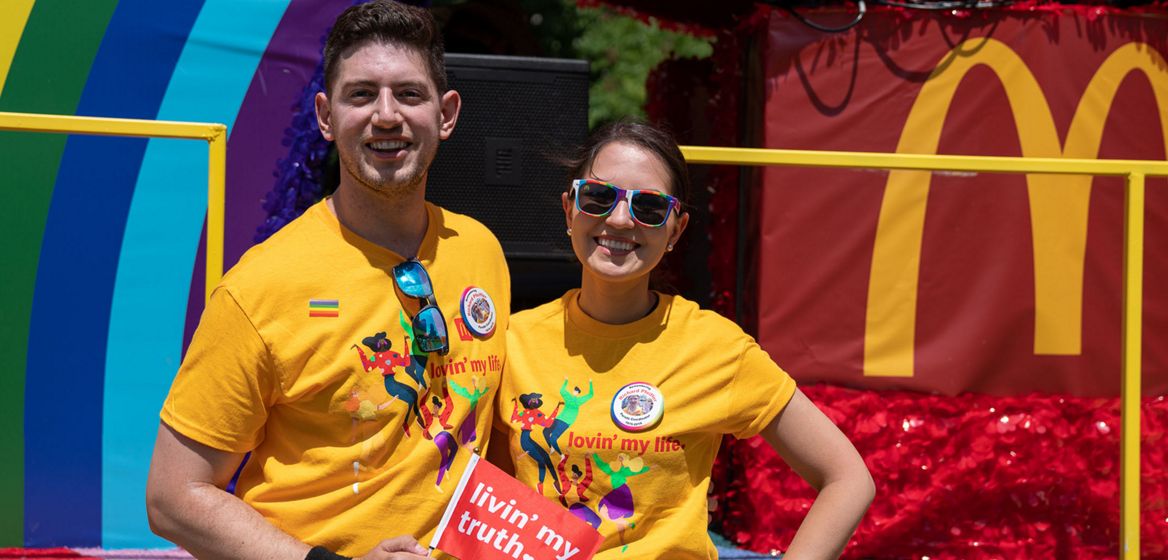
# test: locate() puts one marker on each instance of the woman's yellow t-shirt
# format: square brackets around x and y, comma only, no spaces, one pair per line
[580,401]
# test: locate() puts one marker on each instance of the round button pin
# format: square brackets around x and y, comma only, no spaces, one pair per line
[637,407]
[478,311]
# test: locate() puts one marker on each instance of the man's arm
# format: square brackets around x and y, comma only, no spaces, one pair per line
[820,453]
[187,505]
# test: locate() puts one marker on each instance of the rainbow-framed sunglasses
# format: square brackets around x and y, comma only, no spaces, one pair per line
[599,198]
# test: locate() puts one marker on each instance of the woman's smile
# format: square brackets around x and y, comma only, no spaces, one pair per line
[615,246]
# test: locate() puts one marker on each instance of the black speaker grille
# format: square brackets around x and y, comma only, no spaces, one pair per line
[518,116]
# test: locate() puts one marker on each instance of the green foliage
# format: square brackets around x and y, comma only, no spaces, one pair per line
[622,51]
[555,24]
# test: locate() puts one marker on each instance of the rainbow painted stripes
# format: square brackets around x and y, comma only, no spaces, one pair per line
[103,234]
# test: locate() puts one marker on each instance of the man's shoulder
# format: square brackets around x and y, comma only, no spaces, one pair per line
[462,224]
[285,250]
[465,236]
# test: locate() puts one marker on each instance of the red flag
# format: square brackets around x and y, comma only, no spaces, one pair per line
[492,516]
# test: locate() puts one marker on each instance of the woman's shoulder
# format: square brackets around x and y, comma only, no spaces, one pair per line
[551,312]
[686,314]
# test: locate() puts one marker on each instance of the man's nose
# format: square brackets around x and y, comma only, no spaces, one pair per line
[387,113]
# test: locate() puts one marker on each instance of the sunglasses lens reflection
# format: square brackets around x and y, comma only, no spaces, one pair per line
[412,279]
[430,329]
[650,208]
[597,199]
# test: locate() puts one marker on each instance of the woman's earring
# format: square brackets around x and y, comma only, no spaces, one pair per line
[569,232]
[669,247]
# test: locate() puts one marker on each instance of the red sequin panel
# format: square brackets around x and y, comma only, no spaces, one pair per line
[970,477]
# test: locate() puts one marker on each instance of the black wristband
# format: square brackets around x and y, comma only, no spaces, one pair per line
[322,553]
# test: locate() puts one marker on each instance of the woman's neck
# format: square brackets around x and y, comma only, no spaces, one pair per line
[616,303]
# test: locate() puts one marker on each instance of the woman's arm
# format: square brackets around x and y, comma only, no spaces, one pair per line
[820,453]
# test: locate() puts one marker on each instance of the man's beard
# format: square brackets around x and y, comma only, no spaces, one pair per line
[391,188]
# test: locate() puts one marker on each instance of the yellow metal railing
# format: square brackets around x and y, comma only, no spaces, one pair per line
[214,134]
[1134,171]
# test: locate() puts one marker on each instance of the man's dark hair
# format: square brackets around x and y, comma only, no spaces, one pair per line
[643,135]
[385,21]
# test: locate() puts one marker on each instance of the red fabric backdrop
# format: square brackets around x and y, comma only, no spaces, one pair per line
[1015,474]
[975,314]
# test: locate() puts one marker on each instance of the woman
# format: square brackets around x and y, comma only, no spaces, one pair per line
[669,379]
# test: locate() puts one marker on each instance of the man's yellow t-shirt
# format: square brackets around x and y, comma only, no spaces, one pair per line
[304,358]
[621,423]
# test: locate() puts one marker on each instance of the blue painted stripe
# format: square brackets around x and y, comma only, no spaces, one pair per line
[75,276]
[129,79]
[48,75]
[160,242]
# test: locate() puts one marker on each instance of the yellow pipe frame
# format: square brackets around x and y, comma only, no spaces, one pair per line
[215,135]
[1133,242]
[1133,312]
[922,162]
[1133,170]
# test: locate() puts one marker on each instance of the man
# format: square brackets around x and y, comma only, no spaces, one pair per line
[317,348]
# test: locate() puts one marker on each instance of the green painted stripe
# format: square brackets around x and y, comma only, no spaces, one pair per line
[47,75]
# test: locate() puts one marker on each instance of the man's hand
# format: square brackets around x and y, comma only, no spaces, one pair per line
[397,548]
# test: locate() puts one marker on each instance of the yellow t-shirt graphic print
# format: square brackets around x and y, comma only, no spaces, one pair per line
[306,358]
[621,423]
[433,415]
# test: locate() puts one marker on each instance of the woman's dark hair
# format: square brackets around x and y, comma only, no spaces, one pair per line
[385,21]
[638,133]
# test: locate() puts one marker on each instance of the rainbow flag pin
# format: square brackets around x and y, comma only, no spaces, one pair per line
[324,308]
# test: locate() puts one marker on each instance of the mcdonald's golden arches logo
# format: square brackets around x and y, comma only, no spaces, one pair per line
[1058,204]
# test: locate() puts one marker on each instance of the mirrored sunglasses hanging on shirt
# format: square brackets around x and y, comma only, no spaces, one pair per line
[415,291]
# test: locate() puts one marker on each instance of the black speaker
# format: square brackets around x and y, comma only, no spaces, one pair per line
[518,116]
